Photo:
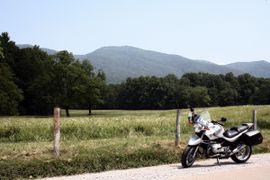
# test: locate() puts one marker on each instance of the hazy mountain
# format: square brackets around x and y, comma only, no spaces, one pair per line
[121,62]
[256,68]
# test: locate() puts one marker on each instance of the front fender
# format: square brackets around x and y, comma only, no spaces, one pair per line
[194,140]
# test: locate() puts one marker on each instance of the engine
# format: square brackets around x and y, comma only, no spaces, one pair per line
[219,149]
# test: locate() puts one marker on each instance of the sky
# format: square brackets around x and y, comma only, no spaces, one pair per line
[222,31]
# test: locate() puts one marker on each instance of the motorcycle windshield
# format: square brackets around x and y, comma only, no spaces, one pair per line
[204,118]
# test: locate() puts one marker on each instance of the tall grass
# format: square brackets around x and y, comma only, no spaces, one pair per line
[25,129]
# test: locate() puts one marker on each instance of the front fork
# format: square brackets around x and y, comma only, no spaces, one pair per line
[195,151]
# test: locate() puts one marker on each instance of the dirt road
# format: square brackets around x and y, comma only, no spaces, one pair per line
[258,168]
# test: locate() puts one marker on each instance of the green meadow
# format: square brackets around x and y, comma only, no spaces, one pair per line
[109,139]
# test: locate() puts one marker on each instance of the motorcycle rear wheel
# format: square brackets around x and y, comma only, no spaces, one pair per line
[243,155]
[188,156]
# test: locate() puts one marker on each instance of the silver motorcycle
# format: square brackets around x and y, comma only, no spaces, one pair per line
[212,141]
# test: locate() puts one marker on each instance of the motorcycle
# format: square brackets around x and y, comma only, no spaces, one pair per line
[211,140]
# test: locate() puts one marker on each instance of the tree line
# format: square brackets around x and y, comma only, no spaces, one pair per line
[33,82]
[192,89]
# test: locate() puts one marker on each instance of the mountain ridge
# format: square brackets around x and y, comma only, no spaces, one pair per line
[147,63]
[47,50]
[260,68]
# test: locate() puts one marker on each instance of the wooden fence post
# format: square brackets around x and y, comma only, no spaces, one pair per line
[254,119]
[177,135]
[56,127]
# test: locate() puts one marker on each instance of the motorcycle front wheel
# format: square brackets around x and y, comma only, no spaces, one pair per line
[189,156]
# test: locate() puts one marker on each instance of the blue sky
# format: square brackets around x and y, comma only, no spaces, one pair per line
[221,31]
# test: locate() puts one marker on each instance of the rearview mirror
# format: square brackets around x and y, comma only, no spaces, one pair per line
[223,119]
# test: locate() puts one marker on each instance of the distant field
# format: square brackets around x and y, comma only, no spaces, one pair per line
[109,139]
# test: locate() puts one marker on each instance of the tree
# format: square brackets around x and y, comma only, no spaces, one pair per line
[262,94]
[68,80]
[193,78]
[143,93]
[228,96]
[31,64]
[111,96]
[199,97]
[247,88]
[41,101]
[214,95]
[182,96]
[232,80]
[74,84]
[9,50]
[95,88]
[26,65]
[10,94]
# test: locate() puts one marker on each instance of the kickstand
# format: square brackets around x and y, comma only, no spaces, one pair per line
[218,161]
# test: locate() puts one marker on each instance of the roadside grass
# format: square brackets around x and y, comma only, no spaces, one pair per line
[109,139]
[35,160]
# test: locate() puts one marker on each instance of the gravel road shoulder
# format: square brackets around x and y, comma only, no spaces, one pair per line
[257,167]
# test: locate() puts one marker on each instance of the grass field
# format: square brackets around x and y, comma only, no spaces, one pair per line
[109,139]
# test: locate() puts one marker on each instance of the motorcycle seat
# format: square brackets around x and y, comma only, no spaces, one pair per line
[240,128]
[230,133]
[235,131]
